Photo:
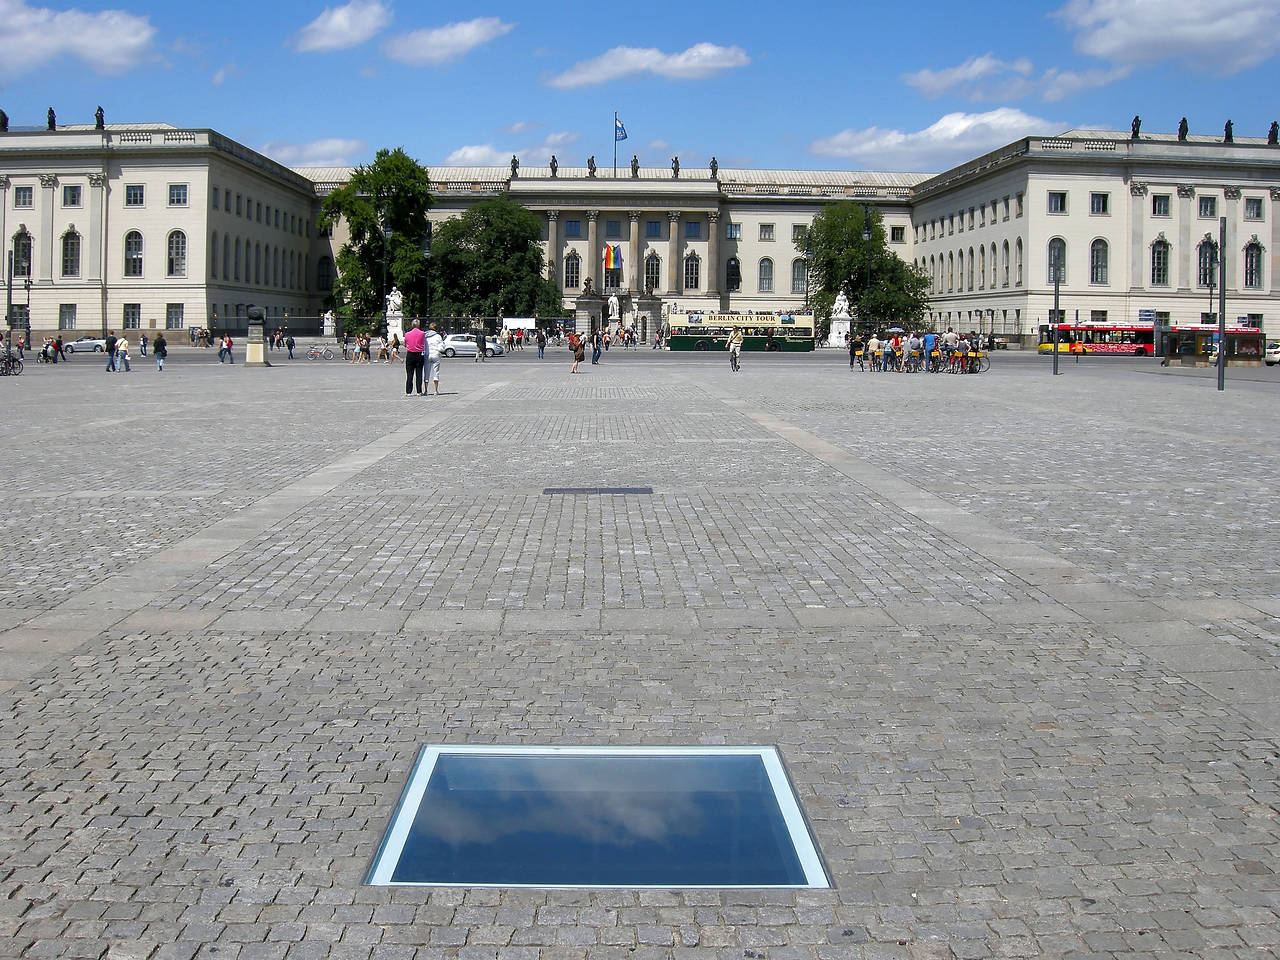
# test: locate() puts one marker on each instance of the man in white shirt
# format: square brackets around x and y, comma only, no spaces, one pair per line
[434,344]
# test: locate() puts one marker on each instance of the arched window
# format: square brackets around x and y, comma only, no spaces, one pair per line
[692,272]
[1253,265]
[1017,263]
[22,254]
[733,275]
[1160,263]
[257,263]
[933,274]
[306,271]
[995,276]
[71,254]
[133,254]
[572,270]
[177,254]
[213,255]
[766,275]
[1004,264]
[1208,260]
[1098,261]
[275,266]
[799,275]
[652,272]
[226,257]
[951,272]
[982,268]
[970,273]
[235,274]
[324,274]
[293,270]
[960,271]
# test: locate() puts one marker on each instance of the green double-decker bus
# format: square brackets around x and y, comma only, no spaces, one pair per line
[792,332]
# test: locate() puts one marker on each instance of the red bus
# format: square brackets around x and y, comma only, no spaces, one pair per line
[1138,339]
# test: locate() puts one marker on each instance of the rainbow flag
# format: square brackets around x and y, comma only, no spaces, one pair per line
[612,257]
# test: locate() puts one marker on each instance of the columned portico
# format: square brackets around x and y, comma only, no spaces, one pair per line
[673,253]
[47,241]
[554,266]
[593,250]
[633,253]
[713,253]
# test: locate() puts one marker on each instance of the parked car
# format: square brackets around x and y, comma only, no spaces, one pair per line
[464,345]
[85,345]
[1272,355]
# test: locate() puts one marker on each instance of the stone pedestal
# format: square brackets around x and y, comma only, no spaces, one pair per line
[648,316]
[255,349]
[588,310]
[840,328]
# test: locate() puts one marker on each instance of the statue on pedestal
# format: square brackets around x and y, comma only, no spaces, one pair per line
[1182,131]
[715,168]
[1135,127]
[675,168]
[395,303]
[1273,135]
[99,119]
[635,167]
[4,122]
[52,119]
[840,309]
[615,311]
[591,165]
[515,166]
[555,165]
[1228,133]
[587,290]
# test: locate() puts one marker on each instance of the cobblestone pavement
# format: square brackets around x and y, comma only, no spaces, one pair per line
[1017,638]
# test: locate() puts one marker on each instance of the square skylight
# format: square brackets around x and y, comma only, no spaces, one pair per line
[721,817]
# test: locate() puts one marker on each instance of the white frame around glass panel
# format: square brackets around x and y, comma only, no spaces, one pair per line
[802,840]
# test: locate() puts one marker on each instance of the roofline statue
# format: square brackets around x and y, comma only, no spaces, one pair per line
[99,119]
[591,165]
[1228,132]
[1182,130]
[1273,135]
[555,165]
[675,168]
[635,167]
[1135,127]
[52,119]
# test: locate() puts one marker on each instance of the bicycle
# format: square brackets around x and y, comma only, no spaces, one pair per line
[10,366]
[318,352]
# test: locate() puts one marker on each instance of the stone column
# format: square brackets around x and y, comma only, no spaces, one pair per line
[6,241]
[554,262]
[46,239]
[673,254]
[1273,286]
[1185,248]
[713,254]
[96,238]
[1232,271]
[635,281]
[593,251]
[1137,250]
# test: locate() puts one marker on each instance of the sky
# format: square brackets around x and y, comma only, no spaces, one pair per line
[911,86]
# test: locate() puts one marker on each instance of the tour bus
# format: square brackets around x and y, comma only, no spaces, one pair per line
[1138,339]
[792,332]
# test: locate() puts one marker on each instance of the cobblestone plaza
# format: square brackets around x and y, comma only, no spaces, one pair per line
[1016,637]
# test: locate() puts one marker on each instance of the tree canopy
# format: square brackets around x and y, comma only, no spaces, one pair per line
[391,193]
[881,287]
[488,262]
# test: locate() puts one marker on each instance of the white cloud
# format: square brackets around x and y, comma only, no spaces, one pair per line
[522,126]
[951,140]
[441,44]
[223,73]
[660,145]
[1058,84]
[341,27]
[700,60]
[1225,36]
[971,79]
[110,41]
[332,152]
[478,155]
[561,139]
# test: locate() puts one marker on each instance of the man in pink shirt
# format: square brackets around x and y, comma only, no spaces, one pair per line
[414,358]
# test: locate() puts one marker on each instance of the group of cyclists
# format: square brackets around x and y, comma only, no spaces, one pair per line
[950,352]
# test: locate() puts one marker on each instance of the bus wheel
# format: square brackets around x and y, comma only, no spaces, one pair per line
[773,347]
[700,345]
[1140,352]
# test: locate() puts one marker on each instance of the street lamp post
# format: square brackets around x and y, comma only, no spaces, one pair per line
[866,255]
[26,285]
[386,236]
[8,310]
[1055,265]
[1222,304]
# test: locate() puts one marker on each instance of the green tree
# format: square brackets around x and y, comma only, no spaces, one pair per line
[881,287]
[488,262]
[392,193]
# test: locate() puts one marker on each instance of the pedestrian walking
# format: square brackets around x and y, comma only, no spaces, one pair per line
[579,351]
[435,346]
[414,359]
[161,349]
[595,346]
[542,341]
[109,348]
[289,343]
[480,346]
[734,346]
[142,344]
[122,355]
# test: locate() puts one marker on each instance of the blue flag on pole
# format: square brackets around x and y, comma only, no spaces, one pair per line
[619,131]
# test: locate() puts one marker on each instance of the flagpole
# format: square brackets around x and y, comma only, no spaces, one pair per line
[615,144]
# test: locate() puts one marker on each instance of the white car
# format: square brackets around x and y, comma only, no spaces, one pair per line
[85,345]
[1272,355]
[464,345]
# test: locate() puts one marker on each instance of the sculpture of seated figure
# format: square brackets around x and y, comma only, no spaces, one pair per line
[840,309]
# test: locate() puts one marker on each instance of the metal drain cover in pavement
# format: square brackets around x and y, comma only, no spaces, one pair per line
[599,817]
[606,491]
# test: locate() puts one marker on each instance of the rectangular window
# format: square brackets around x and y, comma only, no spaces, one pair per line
[897,234]
[1208,206]
[1160,205]
[971,218]
[982,215]
[733,231]
[277,218]
[573,228]
[653,228]
[1253,208]
[66,316]
[226,202]
[239,205]
[766,231]
[268,214]
[961,230]
[1005,207]
[798,232]
[177,194]
[951,224]
[23,196]
[173,316]
[1099,204]
[1097,316]
[213,198]
[132,318]
[693,230]
[258,212]
[612,229]
[1057,201]
[1018,206]
[134,195]
[71,195]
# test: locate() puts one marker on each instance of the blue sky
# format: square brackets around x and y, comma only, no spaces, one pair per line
[906,86]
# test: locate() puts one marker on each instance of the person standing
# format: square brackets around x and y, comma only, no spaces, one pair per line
[579,350]
[289,343]
[414,358]
[596,343]
[122,355]
[734,345]
[109,348]
[856,347]
[161,349]
[480,346]
[21,346]
[542,341]
[142,344]
[435,346]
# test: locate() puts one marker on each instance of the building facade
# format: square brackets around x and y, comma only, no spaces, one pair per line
[150,226]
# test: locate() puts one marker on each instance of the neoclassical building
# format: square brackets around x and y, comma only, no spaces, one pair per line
[150,226]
